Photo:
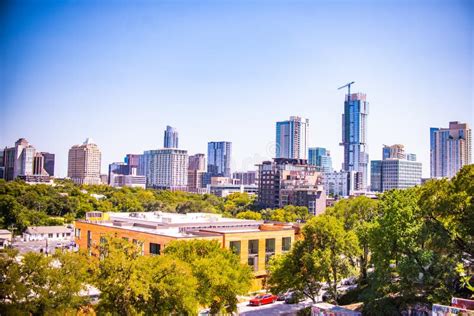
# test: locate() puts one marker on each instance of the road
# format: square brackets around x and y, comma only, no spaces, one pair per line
[277,308]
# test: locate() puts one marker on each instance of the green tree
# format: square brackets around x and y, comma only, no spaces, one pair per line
[41,285]
[358,214]
[221,276]
[249,215]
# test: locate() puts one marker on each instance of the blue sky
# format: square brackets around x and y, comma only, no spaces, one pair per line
[120,71]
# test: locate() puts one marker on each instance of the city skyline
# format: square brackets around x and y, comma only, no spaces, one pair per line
[245,73]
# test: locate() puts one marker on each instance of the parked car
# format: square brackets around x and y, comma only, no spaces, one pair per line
[292,298]
[263,299]
[282,296]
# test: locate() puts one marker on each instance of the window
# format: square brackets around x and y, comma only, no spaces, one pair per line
[253,247]
[78,233]
[235,247]
[286,243]
[155,249]
[50,235]
[270,245]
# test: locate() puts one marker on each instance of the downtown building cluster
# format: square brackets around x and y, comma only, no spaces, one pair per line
[298,175]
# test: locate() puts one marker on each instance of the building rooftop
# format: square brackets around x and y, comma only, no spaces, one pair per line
[179,225]
[47,229]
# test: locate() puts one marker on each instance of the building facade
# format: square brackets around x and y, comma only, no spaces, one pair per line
[291,138]
[450,149]
[84,163]
[171,137]
[393,173]
[321,158]
[24,162]
[253,241]
[284,182]
[49,159]
[219,159]
[246,177]
[395,151]
[135,163]
[354,136]
[166,169]
[196,172]
[340,183]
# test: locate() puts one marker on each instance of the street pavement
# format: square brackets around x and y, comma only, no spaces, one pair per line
[277,308]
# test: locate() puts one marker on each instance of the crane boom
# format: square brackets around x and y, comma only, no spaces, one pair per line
[348,85]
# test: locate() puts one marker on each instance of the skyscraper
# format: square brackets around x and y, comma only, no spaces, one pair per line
[321,158]
[166,168]
[218,159]
[197,162]
[84,163]
[48,163]
[291,138]
[171,137]
[354,136]
[18,160]
[450,149]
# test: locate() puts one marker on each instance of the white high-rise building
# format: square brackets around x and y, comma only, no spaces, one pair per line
[291,138]
[166,168]
[84,163]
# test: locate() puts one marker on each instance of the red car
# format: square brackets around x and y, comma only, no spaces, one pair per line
[263,299]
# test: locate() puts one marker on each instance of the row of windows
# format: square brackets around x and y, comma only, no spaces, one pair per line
[235,246]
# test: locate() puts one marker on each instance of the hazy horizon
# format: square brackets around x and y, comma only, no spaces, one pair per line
[119,72]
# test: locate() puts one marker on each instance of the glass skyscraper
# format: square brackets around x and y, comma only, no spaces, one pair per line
[291,137]
[321,158]
[171,137]
[218,159]
[354,136]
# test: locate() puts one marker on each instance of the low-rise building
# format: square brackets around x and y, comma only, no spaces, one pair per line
[224,190]
[255,242]
[5,238]
[33,233]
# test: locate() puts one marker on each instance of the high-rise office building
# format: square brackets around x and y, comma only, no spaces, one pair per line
[22,161]
[321,158]
[166,168]
[171,137]
[291,138]
[395,171]
[354,136]
[219,158]
[84,163]
[48,162]
[450,149]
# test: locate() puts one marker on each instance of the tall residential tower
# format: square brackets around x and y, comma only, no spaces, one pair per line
[354,137]
[450,149]
[171,137]
[218,159]
[291,138]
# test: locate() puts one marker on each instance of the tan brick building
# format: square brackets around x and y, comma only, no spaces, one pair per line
[254,241]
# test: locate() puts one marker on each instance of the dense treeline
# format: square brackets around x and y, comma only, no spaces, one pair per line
[190,275]
[23,205]
[409,246]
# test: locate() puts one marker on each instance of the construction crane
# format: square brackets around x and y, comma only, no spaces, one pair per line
[348,85]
